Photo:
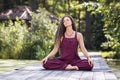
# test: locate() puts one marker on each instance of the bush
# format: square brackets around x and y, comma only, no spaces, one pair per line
[12,39]
[44,33]
[112,28]
[19,42]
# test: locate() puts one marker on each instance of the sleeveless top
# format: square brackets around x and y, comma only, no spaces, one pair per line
[69,49]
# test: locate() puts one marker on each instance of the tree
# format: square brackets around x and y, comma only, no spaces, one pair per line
[112,26]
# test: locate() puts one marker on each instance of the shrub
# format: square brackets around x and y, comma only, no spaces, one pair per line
[112,28]
[44,33]
[12,39]
[19,42]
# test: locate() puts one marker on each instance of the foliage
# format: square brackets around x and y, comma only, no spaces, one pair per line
[112,27]
[97,22]
[108,54]
[12,39]
[77,9]
[43,31]
[102,17]
[19,42]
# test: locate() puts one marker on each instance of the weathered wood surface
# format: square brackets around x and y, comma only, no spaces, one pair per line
[101,71]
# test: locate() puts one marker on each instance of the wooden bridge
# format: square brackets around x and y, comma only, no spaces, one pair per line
[101,71]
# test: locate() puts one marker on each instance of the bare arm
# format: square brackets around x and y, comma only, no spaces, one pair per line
[83,49]
[54,51]
[82,46]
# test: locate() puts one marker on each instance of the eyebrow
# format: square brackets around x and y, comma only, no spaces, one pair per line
[64,19]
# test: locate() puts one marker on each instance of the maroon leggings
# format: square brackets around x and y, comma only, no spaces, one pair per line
[58,64]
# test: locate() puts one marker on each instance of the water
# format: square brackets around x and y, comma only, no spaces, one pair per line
[115,66]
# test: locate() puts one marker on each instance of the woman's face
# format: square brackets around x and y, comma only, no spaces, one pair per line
[67,22]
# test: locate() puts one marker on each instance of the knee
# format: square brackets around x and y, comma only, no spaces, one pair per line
[90,68]
[45,65]
[86,68]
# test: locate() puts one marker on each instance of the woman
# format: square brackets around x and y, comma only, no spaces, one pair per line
[67,40]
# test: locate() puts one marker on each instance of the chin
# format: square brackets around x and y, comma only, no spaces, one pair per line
[67,26]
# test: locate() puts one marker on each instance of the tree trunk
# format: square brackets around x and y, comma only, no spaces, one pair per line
[45,5]
[78,21]
[68,7]
[88,30]
[54,6]
[7,4]
[34,5]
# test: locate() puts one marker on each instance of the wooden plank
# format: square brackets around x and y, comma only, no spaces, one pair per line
[17,76]
[104,65]
[53,76]
[96,64]
[87,75]
[110,76]
[65,75]
[39,75]
[1,77]
[98,76]
[101,71]
[76,75]
[26,75]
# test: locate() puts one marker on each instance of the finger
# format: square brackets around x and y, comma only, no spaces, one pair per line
[45,61]
[91,63]
[42,61]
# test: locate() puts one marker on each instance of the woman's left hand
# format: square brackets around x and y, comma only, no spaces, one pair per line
[90,62]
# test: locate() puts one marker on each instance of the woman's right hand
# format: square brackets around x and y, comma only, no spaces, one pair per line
[44,60]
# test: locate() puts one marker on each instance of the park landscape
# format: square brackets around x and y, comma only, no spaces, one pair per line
[27,30]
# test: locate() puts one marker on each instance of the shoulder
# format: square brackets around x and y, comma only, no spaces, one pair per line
[79,35]
[61,39]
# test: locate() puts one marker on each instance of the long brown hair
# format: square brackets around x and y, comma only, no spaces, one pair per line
[61,28]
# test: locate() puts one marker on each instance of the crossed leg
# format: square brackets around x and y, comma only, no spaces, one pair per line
[70,67]
[56,64]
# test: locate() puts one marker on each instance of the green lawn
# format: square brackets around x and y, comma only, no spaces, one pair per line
[106,54]
[10,65]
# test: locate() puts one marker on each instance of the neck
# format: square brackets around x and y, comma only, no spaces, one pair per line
[69,32]
[69,29]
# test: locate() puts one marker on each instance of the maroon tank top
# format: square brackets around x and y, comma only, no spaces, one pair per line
[69,49]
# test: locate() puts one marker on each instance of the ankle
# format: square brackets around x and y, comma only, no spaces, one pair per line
[75,67]
[69,67]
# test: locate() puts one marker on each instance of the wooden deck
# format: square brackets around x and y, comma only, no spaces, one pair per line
[101,71]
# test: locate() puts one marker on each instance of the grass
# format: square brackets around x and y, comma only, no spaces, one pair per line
[10,65]
[115,66]
[109,54]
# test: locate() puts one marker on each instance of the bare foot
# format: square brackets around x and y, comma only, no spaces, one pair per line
[70,67]
[75,68]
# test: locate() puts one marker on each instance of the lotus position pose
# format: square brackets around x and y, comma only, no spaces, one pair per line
[67,40]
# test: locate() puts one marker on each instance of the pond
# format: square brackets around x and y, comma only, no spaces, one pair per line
[115,66]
